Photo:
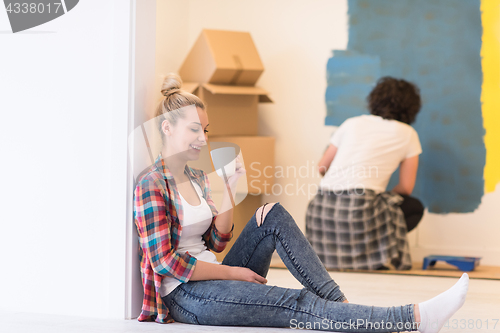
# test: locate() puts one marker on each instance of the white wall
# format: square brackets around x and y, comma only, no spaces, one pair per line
[66,93]
[64,160]
[474,234]
[172,44]
[295,39]
[143,101]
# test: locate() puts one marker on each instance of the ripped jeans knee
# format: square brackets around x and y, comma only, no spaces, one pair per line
[260,214]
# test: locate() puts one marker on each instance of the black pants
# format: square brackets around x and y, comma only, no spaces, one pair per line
[413,210]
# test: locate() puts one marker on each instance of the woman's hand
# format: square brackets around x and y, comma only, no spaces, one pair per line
[240,171]
[246,274]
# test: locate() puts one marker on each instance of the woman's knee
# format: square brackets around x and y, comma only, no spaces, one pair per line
[262,211]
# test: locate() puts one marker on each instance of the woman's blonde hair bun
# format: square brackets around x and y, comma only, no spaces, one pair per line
[172,83]
[170,107]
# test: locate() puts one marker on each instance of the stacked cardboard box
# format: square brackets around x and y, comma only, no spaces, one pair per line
[222,69]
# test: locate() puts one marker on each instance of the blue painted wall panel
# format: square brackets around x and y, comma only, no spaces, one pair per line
[435,44]
[350,77]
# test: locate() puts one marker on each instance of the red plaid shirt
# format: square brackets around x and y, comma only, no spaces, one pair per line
[157,214]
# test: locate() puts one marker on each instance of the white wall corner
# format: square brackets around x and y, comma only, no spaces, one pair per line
[142,100]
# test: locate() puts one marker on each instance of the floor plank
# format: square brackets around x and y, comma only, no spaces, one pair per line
[483,303]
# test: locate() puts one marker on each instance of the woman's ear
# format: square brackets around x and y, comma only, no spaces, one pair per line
[165,127]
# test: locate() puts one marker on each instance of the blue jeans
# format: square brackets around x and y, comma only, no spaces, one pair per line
[317,306]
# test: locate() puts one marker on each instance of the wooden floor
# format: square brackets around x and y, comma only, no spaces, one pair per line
[440,269]
[480,311]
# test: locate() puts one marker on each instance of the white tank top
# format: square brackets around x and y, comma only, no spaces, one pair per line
[196,221]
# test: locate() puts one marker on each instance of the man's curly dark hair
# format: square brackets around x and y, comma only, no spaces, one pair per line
[395,99]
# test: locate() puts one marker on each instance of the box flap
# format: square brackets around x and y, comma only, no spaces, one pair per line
[265,99]
[199,64]
[190,87]
[233,50]
[238,90]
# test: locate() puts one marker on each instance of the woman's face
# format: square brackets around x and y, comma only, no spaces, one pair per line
[188,135]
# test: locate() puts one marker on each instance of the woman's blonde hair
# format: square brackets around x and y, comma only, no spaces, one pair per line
[175,98]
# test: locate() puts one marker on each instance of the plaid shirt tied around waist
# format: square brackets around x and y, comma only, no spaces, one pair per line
[358,231]
[157,216]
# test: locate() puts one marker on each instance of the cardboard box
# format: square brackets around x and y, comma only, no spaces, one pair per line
[223,57]
[243,212]
[258,156]
[232,110]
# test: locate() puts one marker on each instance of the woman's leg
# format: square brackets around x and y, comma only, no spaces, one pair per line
[413,211]
[240,303]
[256,244]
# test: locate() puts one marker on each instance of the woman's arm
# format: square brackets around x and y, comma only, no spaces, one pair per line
[407,176]
[327,159]
[220,232]
[224,224]
[209,271]
[224,221]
